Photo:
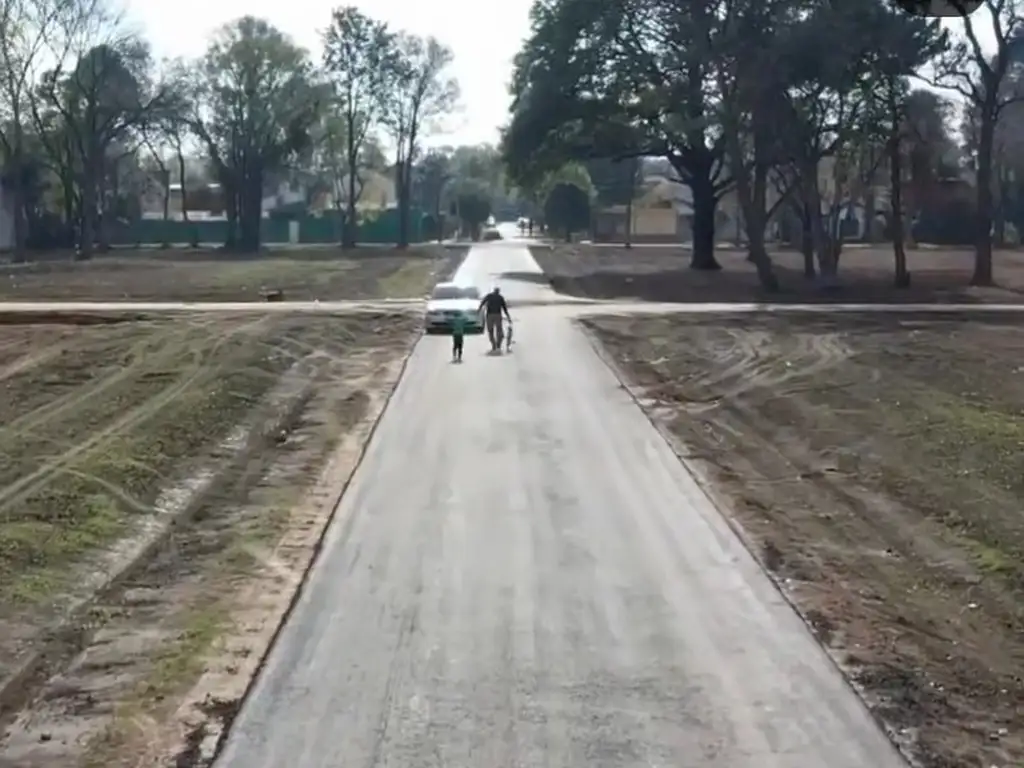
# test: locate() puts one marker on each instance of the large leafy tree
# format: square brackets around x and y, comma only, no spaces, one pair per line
[330,166]
[431,178]
[623,80]
[472,206]
[103,99]
[256,104]
[983,74]
[27,27]
[837,59]
[167,132]
[567,209]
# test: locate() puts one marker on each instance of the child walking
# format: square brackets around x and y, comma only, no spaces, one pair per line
[458,337]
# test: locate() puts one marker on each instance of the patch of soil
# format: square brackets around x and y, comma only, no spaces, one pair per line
[874,464]
[202,608]
[148,275]
[866,276]
[60,317]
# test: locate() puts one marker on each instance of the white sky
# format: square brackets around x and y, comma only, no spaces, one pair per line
[483,36]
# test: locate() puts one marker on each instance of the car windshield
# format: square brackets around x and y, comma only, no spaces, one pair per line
[455,292]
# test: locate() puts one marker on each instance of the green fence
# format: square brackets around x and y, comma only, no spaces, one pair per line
[311,229]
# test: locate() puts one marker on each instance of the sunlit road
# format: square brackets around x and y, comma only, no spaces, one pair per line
[523,574]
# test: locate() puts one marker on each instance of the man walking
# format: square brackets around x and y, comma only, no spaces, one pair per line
[493,305]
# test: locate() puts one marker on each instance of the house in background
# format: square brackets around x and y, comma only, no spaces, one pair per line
[304,192]
[662,212]
[378,192]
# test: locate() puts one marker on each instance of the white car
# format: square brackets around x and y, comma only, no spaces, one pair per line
[450,300]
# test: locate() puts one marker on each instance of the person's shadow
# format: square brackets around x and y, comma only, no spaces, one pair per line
[494,353]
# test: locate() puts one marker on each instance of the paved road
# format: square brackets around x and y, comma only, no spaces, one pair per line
[522,574]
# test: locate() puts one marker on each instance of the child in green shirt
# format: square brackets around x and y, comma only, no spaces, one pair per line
[458,337]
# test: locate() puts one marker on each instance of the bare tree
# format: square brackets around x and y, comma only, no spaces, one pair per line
[103,91]
[256,104]
[979,75]
[420,92]
[27,29]
[358,55]
[169,127]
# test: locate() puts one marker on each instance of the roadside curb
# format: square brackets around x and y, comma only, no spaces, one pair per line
[721,505]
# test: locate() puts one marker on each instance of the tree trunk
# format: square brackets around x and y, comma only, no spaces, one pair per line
[351,224]
[165,178]
[193,234]
[629,221]
[90,183]
[68,192]
[753,209]
[103,211]
[17,189]
[807,241]
[16,163]
[402,175]
[824,244]
[184,193]
[870,203]
[999,207]
[983,216]
[901,277]
[88,235]
[251,210]
[704,206]
[827,252]
[232,208]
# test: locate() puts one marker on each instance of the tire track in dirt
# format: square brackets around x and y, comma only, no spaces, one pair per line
[875,534]
[34,481]
[128,616]
[168,346]
[29,361]
[753,361]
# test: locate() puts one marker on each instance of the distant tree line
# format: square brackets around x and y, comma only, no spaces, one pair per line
[91,120]
[799,109]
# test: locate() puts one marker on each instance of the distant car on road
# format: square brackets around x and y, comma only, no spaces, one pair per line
[450,300]
[491,234]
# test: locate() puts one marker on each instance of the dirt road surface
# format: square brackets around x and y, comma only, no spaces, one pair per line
[522,573]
